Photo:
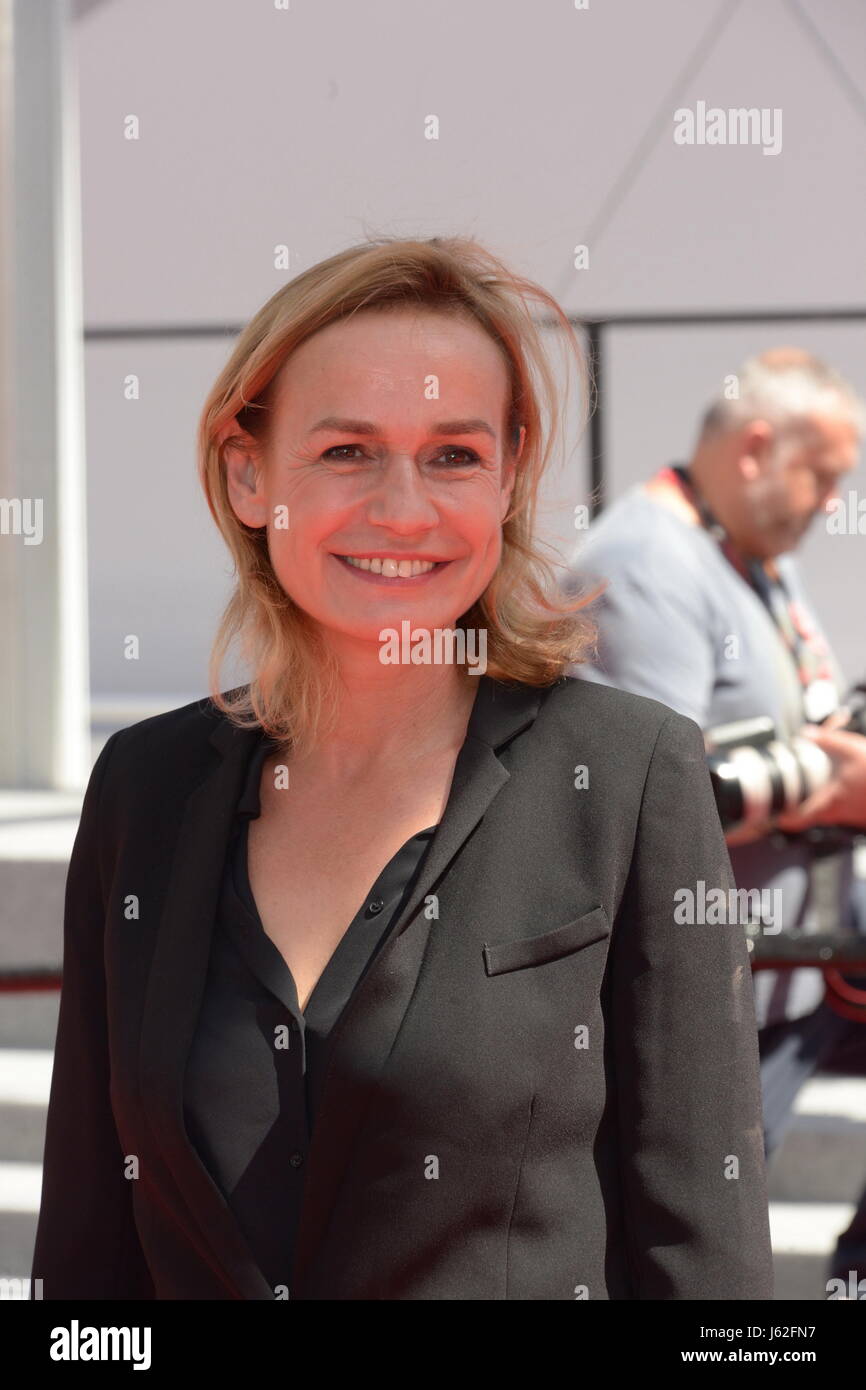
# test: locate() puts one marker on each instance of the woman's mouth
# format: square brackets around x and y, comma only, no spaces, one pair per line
[389,570]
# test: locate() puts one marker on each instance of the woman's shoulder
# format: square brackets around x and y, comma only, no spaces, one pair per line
[609,710]
[624,733]
[169,743]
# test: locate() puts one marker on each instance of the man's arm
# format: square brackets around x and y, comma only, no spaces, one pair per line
[659,643]
[654,641]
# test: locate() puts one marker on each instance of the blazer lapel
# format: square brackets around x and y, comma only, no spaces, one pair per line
[174,992]
[367,1028]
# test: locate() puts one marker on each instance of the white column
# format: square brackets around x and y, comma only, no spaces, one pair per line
[44,686]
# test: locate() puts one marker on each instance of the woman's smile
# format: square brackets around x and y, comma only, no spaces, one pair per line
[388,569]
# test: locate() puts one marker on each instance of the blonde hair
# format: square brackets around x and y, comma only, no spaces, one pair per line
[534,628]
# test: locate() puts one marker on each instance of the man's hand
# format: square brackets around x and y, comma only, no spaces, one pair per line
[749,831]
[843,800]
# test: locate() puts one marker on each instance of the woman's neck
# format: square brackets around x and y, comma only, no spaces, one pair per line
[398,723]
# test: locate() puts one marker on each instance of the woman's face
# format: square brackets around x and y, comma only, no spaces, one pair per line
[387,443]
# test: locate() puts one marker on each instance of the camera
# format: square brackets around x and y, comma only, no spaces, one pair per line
[757,776]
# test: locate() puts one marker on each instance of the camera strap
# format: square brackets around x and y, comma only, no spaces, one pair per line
[804,644]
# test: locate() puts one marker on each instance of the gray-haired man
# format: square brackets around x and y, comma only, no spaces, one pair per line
[704,611]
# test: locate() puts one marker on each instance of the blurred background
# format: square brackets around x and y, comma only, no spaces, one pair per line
[166,165]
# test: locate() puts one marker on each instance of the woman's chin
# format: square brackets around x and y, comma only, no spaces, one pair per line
[391,628]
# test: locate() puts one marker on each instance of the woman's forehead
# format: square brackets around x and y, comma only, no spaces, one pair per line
[376,381]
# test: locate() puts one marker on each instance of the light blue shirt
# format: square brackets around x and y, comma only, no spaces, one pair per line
[679,624]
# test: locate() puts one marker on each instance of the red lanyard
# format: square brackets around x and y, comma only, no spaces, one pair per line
[807,647]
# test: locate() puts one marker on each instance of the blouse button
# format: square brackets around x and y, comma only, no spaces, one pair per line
[375,906]
[296,1159]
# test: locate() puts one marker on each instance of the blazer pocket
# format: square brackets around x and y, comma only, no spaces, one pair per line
[500,956]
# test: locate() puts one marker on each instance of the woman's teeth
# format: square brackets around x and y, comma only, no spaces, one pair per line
[392,569]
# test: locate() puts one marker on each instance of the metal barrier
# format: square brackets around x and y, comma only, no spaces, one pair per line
[22,979]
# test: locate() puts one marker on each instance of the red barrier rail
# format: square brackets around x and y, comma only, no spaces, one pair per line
[19,979]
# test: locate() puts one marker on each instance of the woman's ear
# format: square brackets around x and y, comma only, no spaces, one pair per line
[244,468]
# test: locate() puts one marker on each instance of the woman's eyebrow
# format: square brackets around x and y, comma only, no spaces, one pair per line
[469,426]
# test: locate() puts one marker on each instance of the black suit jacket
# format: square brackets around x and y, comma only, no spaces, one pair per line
[544,1087]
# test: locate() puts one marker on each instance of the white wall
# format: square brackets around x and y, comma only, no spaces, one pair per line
[261,126]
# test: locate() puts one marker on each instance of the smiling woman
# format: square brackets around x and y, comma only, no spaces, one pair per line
[325,437]
[405,1011]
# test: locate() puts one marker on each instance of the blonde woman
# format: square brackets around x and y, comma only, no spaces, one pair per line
[373,984]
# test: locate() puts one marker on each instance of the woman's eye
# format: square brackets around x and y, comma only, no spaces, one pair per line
[336,448]
[470,455]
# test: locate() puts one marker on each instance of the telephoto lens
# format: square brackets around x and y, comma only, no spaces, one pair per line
[756,777]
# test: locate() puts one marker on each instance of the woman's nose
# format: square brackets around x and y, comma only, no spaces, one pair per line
[402,498]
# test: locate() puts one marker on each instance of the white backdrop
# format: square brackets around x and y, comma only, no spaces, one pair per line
[262,126]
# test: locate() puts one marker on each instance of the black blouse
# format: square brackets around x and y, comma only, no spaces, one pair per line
[256,1066]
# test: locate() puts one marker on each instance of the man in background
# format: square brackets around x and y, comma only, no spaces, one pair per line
[704,611]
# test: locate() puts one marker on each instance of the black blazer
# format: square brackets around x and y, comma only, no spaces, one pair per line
[543,1088]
